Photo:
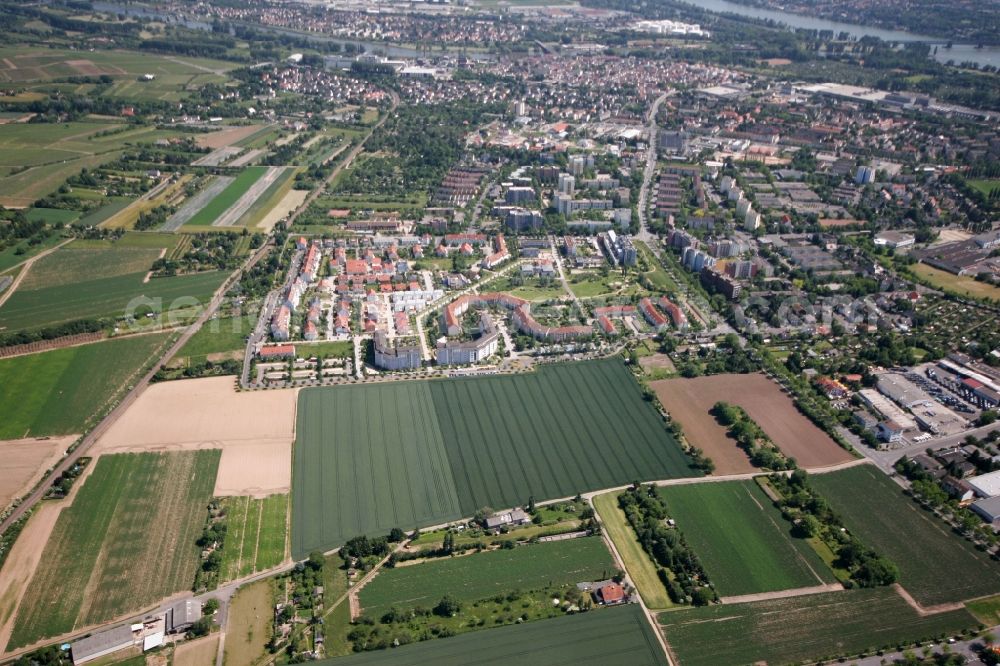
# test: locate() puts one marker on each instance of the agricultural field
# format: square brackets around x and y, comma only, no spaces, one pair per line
[636,561]
[935,565]
[742,540]
[249,627]
[38,157]
[420,453]
[42,63]
[63,391]
[240,185]
[473,577]
[94,280]
[689,401]
[9,257]
[127,540]
[255,536]
[609,636]
[218,336]
[959,284]
[802,629]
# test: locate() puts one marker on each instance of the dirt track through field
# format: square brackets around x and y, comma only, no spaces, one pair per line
[782,594]
[193,206]
[689,401]
[243,204]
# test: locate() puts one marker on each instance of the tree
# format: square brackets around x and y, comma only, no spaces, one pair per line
[209,607]
[809,526]
[315,560]
[987,417]
[396,535]
[531,504]
[447,607]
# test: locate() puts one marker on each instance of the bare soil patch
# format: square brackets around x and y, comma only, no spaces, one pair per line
[25,462]
[292,200]
[227,136]
[254,430]
[689,401]
[197,653]
[657,361]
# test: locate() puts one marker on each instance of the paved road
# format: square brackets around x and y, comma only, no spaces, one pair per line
[960,647]
[88,440]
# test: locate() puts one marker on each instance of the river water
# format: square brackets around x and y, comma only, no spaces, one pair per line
[988,55]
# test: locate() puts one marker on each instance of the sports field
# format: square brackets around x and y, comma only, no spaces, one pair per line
[935,565]
[227,197]
[609,636]
[741,539]
[60,392]
[255,535]
[802,629]
[636,561]
[422,453]
[473,577]
[127,540]
[959,284]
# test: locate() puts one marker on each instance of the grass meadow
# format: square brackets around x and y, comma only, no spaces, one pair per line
[64,391]
[126,541]
[423,453]
[481,575]
[936,566]
[802,629]
[741,539]
[609,636]
[637,562]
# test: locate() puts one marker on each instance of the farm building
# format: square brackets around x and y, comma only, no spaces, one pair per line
[182,615]
[515,517]
[103,643]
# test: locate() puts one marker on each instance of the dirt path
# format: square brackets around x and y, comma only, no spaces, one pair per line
[925,610]
[27,266]
[782,594]
[149,275]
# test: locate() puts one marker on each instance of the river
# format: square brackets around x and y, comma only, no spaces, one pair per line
[988,55]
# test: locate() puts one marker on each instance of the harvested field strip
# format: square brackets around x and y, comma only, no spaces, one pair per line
[609,636]
[636,561]
[195,204]
[394,454]
[211,211]
[742,540]
[936,566]
[254,192]
[127,540]
[482,575]
[269,199]
[802,629]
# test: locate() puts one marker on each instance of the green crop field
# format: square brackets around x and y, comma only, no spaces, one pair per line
[52,215]
[255,535]
[741,539]
[609,636]
[802,629]
[473,577]
[637,562]
[224,334]
[60,392]
[9,257]
[935,565]
[220,204]
[75,263]
[127,541]
[421,453]
[104,297]
[376,454]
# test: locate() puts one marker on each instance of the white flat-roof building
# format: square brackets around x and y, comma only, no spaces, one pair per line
[986,485]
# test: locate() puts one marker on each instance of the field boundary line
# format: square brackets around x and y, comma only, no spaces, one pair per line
[924,611]
[783,594]
[26,264]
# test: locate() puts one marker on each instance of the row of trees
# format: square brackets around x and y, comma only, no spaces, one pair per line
[751,438]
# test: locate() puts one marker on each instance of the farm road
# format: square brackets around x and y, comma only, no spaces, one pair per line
[782,594]
[27,266]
